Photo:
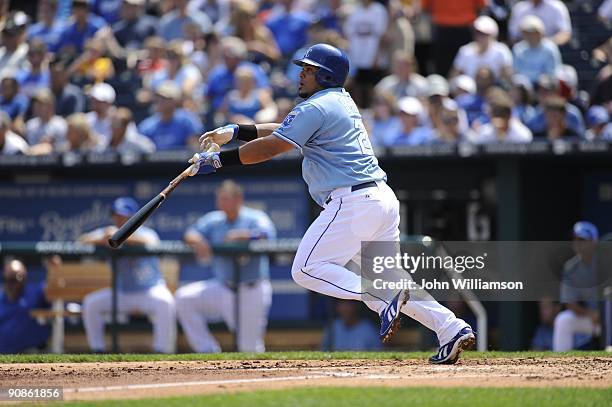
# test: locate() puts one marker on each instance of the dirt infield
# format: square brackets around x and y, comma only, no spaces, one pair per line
[86,381]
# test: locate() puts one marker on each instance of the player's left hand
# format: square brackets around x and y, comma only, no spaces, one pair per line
[205,163]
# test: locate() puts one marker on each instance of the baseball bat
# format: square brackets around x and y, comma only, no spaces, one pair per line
[134,222]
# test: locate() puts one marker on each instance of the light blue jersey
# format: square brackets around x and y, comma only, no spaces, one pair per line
[328,130]
[137,273]
[214,226]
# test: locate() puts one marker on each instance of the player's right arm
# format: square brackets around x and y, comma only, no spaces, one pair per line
[225,134]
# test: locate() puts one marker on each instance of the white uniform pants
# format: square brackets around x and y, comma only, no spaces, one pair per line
[568,324]
[157,302]
[211,300]
[334,239]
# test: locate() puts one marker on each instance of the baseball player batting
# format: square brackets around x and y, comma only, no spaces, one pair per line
[343,177]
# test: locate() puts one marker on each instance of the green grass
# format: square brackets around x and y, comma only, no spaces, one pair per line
[384,397]
[80,358]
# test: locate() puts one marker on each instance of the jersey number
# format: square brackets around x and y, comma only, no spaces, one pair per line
[362,137]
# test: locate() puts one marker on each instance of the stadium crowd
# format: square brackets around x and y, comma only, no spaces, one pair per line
[151,75]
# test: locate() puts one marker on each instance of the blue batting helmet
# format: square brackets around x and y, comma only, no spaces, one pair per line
[333,64]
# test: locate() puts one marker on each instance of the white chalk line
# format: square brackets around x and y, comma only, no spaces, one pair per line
[318,375]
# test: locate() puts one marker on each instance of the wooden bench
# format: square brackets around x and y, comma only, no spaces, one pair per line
[72,281]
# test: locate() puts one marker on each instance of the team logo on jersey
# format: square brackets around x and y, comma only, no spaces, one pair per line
[289,119]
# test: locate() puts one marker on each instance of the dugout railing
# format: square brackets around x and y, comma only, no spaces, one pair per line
[179,250]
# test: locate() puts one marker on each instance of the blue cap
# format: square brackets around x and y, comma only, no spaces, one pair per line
[586,230]
[125,206]
[597,115]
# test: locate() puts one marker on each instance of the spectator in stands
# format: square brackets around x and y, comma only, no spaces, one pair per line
[141,286]
[331,15]
[36,76]
[484,51]
[521,92]
[19,331]
[549,87]
[216,10]
[535,55]
[543,336]
[557,126]
[580,320]
[453,126]
[474,103]
[399,35]
[246,101]
[92,65]
[10,143]
[171,23]
[350,332]
[412,131]
[134,25]
[170,128]
[80,137]
[14,49]
[79,29]
[258,38]
[437,90]
[199,302]
[289,26]
[101,99]
[365,27]
[503,127]
[45,131]
[109,10]
[385,124]
[177,69]
[48,28]
[599,125]
[153,59]
[602,91]
[221,79]
[12,102]
[125,137]
[68,97]
[553,13]
[403,81]
[452,23]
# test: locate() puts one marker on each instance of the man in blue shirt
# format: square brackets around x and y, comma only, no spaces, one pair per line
[49,28]
[18,330]
[199,302]
[35,77]
[535,55]
[134,26]
[82,26]
[171,24]
[580,320]
[343,177]
[140,284]
[289,27]
[221,78]
[170,128]
[350,332]
[12,102]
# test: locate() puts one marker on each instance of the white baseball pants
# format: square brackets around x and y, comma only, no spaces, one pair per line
[157,302]
[567,324]
[207,301]
[334,239]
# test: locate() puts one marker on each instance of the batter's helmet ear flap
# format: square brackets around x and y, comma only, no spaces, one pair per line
[333,64]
